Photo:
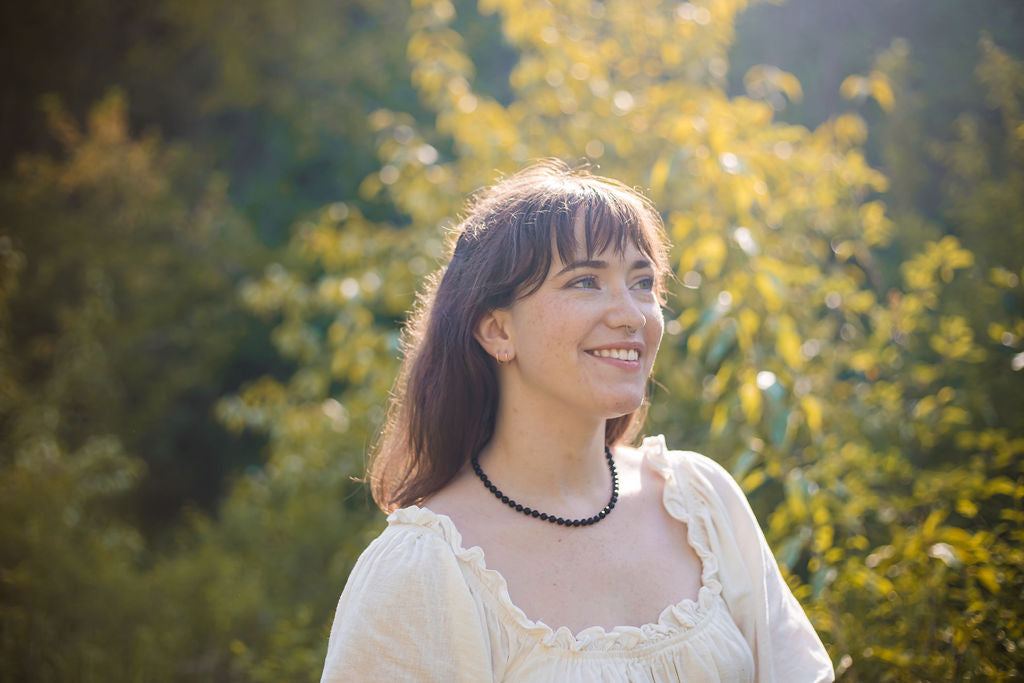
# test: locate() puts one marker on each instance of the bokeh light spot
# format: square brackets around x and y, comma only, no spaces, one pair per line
[389,174]
[765,379]
[622,102]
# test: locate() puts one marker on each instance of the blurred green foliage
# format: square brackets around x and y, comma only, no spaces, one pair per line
[847,339]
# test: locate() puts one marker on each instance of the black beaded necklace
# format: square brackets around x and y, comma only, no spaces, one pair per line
[530,512]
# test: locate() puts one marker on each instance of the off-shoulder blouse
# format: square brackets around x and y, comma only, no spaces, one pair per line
[420,607]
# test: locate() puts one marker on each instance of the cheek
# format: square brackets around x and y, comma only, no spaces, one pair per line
[655,329]
[546,329]
[557,331]
[657,321]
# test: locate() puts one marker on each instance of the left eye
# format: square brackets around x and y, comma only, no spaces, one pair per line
[644,283]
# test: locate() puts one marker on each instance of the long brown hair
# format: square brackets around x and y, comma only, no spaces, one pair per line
[443,407]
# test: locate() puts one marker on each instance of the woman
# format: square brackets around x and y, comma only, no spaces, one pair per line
[507,439]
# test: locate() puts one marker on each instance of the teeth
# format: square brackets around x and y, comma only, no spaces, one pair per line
[621,354]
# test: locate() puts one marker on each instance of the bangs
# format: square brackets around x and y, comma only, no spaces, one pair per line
[607,225]
[503,250]
[609,222]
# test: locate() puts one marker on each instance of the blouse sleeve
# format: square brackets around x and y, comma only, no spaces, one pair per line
[406,614]
[782,639]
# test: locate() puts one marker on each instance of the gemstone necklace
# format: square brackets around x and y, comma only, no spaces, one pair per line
[530,512]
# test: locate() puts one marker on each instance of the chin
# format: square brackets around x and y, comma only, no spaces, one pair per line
[625,406]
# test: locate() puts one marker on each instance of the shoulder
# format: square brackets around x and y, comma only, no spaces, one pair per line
[411,569]
[407,612]
[700,470]
[414,549]
[412,532]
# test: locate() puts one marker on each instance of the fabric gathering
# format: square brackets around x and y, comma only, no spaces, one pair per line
[745,624]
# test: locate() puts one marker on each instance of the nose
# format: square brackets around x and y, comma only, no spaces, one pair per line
[624,311]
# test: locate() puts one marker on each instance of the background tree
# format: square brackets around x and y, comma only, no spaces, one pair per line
[115,255]
[275,99]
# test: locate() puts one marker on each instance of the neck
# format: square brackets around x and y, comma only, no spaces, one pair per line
[555,466]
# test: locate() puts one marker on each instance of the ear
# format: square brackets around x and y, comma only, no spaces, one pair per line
[492,333]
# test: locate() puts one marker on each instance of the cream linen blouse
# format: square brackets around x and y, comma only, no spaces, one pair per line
[420,607]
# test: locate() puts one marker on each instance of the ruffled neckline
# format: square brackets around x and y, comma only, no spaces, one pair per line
[680,617]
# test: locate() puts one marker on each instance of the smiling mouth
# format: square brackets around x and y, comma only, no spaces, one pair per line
[619,354]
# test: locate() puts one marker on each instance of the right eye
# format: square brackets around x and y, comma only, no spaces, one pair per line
[585,282]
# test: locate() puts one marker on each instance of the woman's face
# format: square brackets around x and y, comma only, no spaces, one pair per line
[587,338]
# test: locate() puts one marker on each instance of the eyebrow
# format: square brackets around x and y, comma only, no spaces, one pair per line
[592,263]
